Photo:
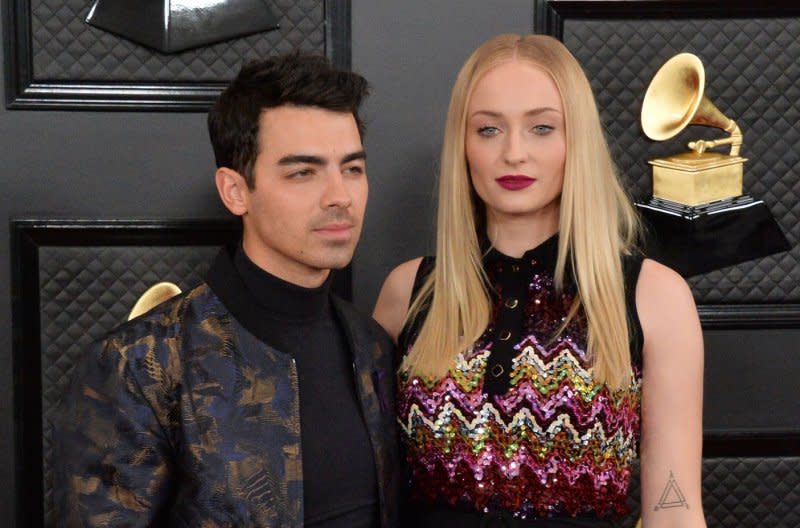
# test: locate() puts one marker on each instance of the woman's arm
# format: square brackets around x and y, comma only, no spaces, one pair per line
[672,400]
[393,300]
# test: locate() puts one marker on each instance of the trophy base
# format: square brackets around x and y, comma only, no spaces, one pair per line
[698,239]
[696,179]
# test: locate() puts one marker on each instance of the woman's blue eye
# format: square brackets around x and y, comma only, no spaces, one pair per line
[488,131]
[542,129]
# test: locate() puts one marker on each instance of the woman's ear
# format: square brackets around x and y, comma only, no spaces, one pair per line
[233,190]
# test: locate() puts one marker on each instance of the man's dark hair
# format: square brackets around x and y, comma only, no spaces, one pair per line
[297,79]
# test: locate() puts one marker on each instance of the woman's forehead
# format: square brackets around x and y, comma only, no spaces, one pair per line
[514,86]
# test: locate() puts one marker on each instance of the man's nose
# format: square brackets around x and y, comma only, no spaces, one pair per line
[336,193]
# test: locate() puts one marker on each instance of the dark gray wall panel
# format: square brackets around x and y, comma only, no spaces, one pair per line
[65,48]
[751,380]
[92,165]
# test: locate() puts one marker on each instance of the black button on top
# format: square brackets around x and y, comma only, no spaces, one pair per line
[511,278]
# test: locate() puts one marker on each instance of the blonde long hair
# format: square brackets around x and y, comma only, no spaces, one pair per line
[597,224]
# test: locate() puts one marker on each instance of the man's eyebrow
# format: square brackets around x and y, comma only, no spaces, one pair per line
[294,159]
[360,155]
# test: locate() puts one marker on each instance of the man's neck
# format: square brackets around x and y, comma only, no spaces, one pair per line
[285,268]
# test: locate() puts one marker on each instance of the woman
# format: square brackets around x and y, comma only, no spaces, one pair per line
[541,350]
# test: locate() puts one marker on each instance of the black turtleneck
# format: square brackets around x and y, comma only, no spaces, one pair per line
[339,477]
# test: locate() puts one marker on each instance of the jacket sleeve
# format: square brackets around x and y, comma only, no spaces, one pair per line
[113,457]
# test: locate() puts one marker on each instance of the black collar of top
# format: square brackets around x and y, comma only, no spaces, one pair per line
[545,253]
[253,295]
[281,299]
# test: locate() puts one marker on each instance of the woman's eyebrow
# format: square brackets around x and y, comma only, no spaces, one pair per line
[532,112]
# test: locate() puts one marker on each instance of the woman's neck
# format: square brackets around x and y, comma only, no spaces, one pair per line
[513,235]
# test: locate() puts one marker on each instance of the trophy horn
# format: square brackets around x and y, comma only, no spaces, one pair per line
[675,100]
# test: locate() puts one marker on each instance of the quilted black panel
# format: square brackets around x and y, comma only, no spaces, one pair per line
[84,293]
[752,75]
[64,48]
[744,493]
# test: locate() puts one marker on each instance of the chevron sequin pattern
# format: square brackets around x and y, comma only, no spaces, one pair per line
[556,443]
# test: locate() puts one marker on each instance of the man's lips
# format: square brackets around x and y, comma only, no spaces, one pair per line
[514,182]
[336,230]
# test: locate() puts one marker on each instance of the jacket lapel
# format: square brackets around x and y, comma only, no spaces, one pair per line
[374,377]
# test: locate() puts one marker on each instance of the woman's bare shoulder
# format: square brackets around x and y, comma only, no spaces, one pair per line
[659,283]
[395,297]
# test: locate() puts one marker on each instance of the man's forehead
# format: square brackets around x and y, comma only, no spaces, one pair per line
[303,115]
[308,129]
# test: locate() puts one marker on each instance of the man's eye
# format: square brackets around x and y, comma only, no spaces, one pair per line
[301,173]
[355,169]
[488,131]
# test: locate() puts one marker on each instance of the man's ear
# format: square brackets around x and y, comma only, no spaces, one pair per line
[233,190]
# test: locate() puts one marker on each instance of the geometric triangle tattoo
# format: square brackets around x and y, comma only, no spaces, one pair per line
[671,497]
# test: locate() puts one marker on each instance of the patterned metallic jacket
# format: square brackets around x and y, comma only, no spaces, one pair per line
[183,418]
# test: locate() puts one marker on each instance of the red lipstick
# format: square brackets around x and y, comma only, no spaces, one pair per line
[514,182]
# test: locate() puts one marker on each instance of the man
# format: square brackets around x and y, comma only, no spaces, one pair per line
[257,398]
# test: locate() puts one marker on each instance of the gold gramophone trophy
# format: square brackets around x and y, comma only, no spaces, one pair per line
[700,217]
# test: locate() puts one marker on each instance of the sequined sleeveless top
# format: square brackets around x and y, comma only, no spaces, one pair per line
[519,424]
